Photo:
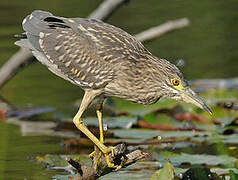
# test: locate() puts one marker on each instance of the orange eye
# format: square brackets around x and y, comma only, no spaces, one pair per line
[175,82]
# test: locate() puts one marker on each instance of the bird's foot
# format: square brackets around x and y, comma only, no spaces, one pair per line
[107,157]
[109,150]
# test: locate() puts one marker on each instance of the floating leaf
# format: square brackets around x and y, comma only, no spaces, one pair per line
[193,159]
[197,173]
[233,176]
[158,126]
[167,172]
[113,122]
[51,160]
[146,134]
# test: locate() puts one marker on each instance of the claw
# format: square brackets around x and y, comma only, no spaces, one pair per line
[109,163]
[111,150]
[106,155]
[91,154]
[119,167]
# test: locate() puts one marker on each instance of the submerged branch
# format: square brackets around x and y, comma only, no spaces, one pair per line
[162,29]
[106,8]
[22,58]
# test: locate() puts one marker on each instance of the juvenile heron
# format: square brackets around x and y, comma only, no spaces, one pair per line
[104,61]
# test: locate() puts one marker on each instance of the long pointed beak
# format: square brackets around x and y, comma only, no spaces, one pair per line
[189,96]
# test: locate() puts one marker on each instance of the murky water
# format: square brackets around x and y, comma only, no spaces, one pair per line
[18,153]
[208,47]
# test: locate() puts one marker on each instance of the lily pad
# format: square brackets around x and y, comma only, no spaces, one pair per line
[167,172]
[196,173]
[197,159]
[113,122]
[149,134]
[233,175]
[59,161]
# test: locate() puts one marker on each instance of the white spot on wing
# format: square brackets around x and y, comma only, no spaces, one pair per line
[41,34]
[83,65]
[81,28]
[67,64]
[31,16]
[81,83]
[59,36]
[57,47]
[24,21]
[91,29]
[41,42]
[73,56]
[61,57]
[47,34]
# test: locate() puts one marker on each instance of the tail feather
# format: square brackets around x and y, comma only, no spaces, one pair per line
[24,43]
[33,25]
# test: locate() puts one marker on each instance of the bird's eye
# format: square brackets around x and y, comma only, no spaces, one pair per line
[175,82]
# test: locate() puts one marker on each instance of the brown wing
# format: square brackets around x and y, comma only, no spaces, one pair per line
[112,43]
[87,52]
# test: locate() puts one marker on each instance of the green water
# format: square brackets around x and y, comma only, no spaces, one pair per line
[17,154]
[208,47]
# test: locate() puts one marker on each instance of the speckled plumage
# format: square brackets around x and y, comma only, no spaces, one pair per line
[96,55]
[105,61]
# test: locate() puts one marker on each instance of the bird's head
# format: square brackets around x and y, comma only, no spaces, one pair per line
[176,87]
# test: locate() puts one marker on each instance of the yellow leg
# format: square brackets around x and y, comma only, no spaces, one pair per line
[88,97]
[100,120]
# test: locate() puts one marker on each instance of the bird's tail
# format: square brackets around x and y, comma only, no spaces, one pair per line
[33,24]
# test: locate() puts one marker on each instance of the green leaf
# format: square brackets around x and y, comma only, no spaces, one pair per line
[233,176]
[203,173]
[214,160]
[113,122]
[167,172]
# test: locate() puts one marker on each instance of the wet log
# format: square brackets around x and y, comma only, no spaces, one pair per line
[122,156]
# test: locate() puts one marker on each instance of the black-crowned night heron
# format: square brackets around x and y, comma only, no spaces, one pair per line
[104,61]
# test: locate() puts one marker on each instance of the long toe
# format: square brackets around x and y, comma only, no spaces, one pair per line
[109,163]
[91,155]
[110,150]
[109,154]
